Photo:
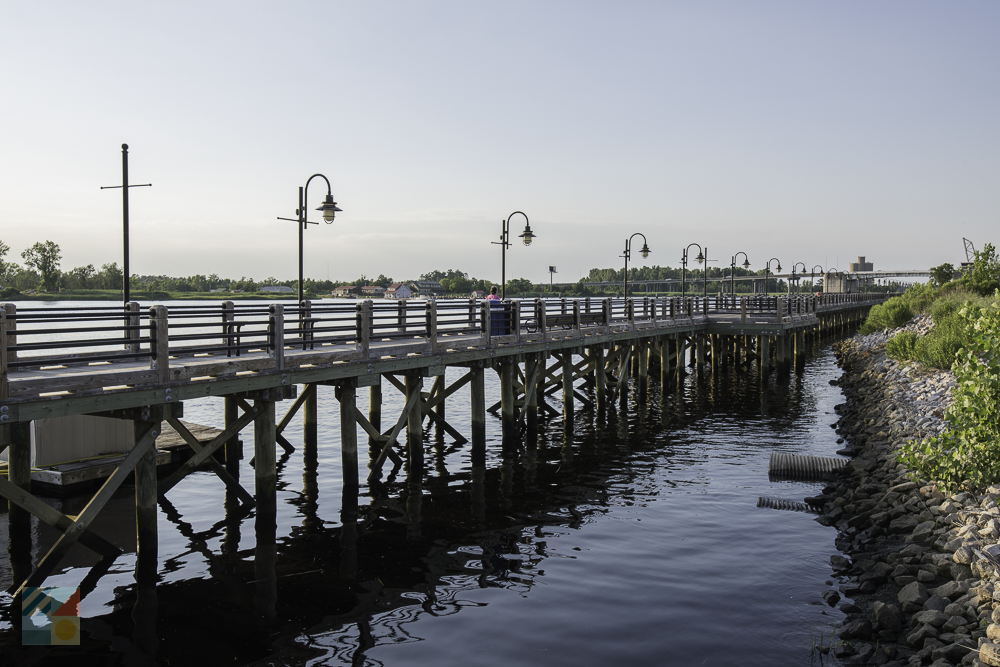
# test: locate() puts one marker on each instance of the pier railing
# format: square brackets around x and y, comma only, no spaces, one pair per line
[83,349]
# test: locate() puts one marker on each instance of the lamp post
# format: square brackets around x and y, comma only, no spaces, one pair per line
[504,242]
[126,275]
[812,274]
[702,256]
[794,278]
[628,253]
[732,273]
[767,268]
[329,209]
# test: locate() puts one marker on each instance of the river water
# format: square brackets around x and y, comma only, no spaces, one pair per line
[636,540]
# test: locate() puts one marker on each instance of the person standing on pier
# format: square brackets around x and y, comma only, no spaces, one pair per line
[493,294]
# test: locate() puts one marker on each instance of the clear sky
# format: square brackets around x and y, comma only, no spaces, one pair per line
[806,131]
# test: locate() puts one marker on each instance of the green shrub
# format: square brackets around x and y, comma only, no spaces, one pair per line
[967,453]
[893,313]
[902,346]
[920,297]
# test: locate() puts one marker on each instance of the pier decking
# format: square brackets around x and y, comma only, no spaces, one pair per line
[141,364]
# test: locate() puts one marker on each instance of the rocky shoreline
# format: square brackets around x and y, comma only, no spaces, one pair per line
[920,565]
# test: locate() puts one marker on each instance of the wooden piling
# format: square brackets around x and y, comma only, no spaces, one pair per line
[477,391]
[347,396]
[567,384]
[375,418]
[414,422]
[234,446]
[310,430]
[600,379]
[507,407]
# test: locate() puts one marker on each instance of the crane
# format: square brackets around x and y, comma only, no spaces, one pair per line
[970,251]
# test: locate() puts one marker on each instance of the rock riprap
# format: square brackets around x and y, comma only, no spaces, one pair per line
[919,566]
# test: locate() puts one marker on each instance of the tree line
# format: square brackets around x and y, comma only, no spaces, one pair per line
[41,270]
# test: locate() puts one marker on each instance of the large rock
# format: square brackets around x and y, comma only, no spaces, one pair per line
[857,630]
[888,616]
[954,623]
[993,632]
[951,590]
[916,593]
[904,524]
[964,555]
[936,602]
[917,637]
[989,654]
[932,617]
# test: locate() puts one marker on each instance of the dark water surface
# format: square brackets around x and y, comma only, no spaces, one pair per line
[636,541]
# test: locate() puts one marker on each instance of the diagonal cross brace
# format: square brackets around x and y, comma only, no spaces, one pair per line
[203,453]
[216,467]
[79,525]
[411,404]
[54,517]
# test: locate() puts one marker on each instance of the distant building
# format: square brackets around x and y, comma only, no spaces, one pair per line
[346,290]
[427,288]
[397,291]
[281,289]
[860,265]
[479,294]
[372,291]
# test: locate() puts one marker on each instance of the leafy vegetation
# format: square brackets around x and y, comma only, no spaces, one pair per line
[968,452]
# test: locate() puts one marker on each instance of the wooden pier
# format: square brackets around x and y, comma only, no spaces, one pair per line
[140,365]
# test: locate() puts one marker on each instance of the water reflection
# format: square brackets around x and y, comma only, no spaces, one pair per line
[356,577]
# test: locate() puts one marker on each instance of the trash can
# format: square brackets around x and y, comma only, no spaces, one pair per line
[498,318]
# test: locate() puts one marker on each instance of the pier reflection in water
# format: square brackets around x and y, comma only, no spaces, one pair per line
[634,537]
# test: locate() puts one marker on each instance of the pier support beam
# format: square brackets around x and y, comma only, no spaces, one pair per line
[233,446]
[531,365]
[310,417]
[507,408]
[600,379]
[147,551]
[265,523]
[477,389]
[19,520]
[349,435]
[567,385]
[414,421]
[374,418]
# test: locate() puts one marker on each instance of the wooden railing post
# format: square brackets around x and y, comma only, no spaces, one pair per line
[276,335]
[363,327]
[743,309]
[484,321]
[586,305]
[630,312]
[577,320]
[515,320]
[4,386]
[305,323]
[132,322]
[472,313]
[431,323]
[11,310]
[540,318]
[606,312]
[228,334]
[401,314]
[159,343]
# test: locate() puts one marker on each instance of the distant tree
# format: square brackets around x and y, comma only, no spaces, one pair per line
[517,286]
[984,277]
[80,277]
[942,274]
[44,258]
[109,277]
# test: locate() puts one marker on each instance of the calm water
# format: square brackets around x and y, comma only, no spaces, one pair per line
[636,541]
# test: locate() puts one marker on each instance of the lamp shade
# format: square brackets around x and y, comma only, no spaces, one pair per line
[527,235]
[645,251]
[329,209]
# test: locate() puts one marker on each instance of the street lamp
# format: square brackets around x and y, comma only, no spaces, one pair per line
[628,253]
[732,273]
[794,278]
[702,257]
[504,242]
[767,267]
[812,274]
[329,209]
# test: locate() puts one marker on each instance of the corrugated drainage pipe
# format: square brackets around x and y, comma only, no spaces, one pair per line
[779,504]
[803,468]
